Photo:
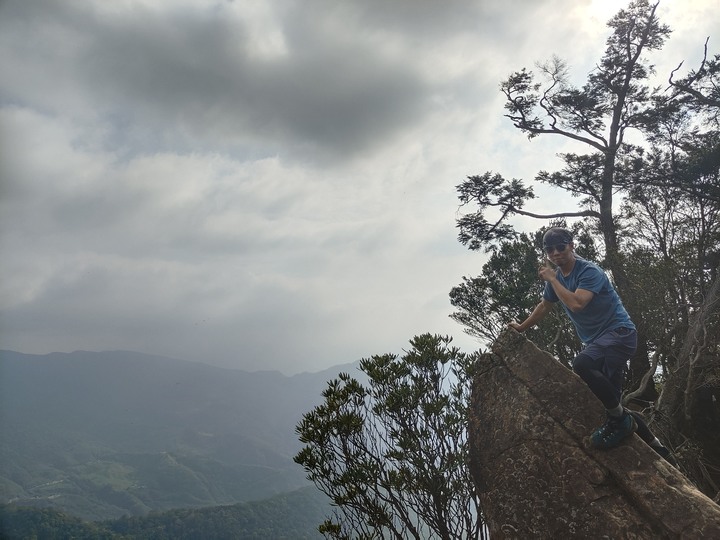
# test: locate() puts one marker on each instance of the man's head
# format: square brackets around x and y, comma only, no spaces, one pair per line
[556,239]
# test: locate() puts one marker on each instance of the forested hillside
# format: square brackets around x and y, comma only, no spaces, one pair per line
[294,516]
[103,435]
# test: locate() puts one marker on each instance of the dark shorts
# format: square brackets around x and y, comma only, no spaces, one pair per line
[611,351]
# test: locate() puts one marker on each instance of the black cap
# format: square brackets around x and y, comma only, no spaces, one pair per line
[557,235]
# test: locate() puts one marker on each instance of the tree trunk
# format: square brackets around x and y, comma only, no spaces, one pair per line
[688,410]
[640,362]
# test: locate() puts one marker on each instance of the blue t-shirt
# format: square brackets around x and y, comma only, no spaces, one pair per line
[603,313]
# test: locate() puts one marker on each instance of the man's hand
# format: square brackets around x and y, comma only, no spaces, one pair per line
[538,314]
[546,272]
[515,325]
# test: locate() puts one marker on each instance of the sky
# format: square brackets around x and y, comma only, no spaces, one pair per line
[266,184]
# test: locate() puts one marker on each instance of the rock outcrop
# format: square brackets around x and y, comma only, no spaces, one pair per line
[537,474]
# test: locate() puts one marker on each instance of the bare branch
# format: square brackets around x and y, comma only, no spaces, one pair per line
[583,213]
[644,382]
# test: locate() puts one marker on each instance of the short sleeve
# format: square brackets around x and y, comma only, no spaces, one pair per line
[549,293]
[592,279]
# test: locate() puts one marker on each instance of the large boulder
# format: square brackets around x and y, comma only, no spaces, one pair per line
[538,477]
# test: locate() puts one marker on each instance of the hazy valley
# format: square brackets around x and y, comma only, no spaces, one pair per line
[103,435]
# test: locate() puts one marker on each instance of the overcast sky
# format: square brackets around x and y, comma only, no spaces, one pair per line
[265,184]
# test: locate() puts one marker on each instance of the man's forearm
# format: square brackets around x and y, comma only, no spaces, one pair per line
[537,315]
[573,300]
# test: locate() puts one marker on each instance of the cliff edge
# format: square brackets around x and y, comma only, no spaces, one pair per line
[538,477]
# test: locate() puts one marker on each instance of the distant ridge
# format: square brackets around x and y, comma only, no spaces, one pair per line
[122,353]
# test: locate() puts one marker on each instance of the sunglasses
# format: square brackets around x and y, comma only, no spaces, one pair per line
[557,247]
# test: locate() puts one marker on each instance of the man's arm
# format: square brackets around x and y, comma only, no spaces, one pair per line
[537,315]
[575,301]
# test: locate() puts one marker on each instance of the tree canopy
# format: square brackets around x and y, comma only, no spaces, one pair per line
[660,240]
[392,453]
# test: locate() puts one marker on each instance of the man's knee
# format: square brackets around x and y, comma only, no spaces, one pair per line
[582,364]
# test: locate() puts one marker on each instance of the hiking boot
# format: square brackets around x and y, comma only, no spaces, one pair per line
[613,431]
[666,455]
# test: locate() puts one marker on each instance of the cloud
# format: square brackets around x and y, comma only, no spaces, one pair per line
[258,184]
[177,253]
[193,78]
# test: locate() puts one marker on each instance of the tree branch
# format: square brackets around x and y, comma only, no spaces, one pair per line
[518,122]
[644,382]
[584,213]
[685,86]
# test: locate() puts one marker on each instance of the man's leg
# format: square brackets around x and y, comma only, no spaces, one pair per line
[589,370]
[602,366]
[619,424]
[606,383]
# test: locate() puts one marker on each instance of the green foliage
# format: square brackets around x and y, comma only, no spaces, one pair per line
[662,249]
[392,455]
[699,90]
[611,101]
[507,289]
[673,237]
[489,191]
[614,99]
[47,524]
[290,516]
[672,217]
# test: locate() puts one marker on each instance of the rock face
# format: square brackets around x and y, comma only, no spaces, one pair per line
[538,477]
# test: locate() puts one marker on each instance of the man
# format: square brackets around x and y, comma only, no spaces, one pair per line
[603,325]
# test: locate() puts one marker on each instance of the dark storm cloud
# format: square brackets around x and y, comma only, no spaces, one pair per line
[345,78]
[191,76]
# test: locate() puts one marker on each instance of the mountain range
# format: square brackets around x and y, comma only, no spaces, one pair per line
[100,435]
